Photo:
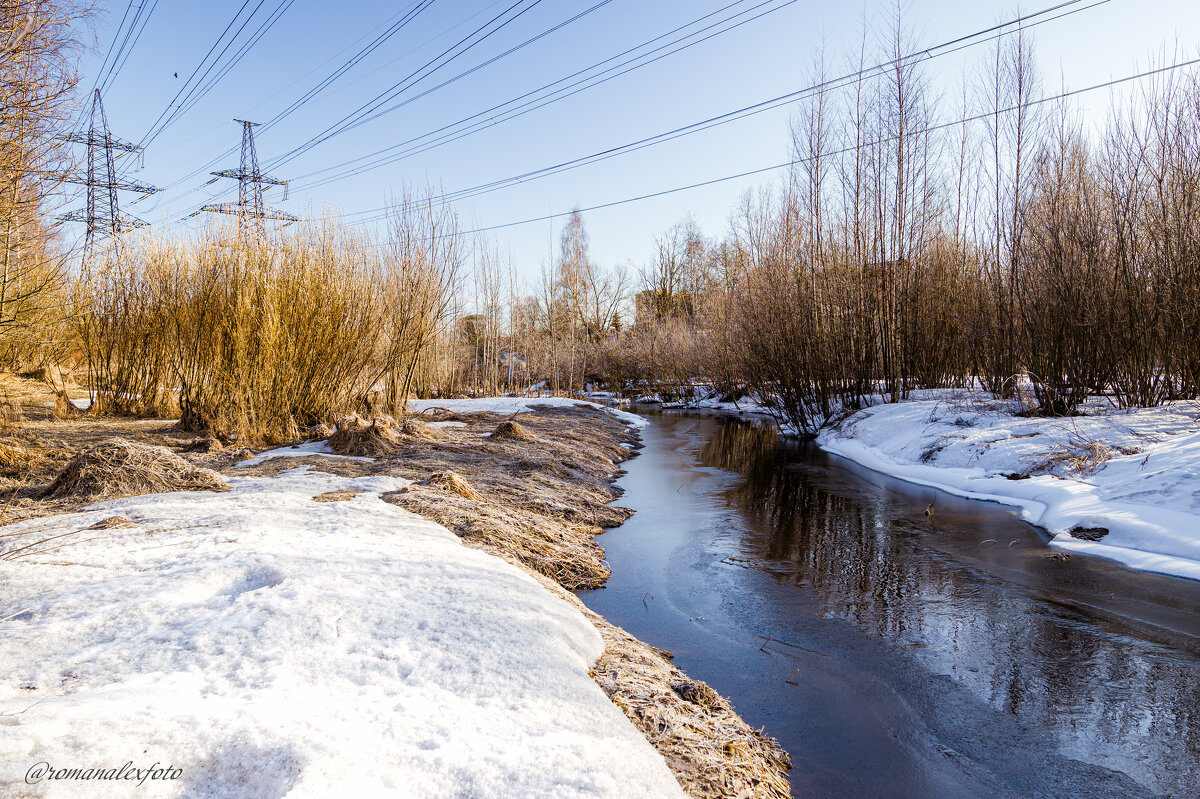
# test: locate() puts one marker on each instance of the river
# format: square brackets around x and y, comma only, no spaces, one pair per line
[895,653]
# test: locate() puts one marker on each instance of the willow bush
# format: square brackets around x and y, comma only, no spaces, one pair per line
[260,338]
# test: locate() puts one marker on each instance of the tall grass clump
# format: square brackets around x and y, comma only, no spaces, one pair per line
[257,337]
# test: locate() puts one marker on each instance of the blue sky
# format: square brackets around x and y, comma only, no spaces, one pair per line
[762,58]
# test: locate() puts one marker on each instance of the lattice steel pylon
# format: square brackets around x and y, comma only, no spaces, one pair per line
[250,208]
[102,213]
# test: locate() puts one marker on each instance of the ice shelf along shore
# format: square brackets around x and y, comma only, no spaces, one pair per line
[267,645]
[1118,484]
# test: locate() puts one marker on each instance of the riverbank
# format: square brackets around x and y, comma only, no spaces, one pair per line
[1121,484]
[932,661]
[457,669]
[1118,484]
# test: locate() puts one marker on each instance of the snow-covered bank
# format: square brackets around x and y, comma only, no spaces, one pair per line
[514,405]
[269,645]
[1128,479]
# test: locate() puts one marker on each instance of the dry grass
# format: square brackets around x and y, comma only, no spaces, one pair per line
[121,468]
[710,749]
[1078,455]
[319,432]
[540,508]
[453,483]
[204,444]
[374,438]
[18,456]
[257,337]
[566,553]
[378,437]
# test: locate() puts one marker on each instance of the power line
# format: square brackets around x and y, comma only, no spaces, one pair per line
[410,80]
[478,67]
[575,74]
[945,48]
[794,162]
[101,213]
[155,129]
[254,38]
[358,117]
[542,102]
[111,45]
[928,53]
[352,61]
[250,209]
[119,61]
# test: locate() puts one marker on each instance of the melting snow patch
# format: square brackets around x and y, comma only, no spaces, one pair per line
[267,645]
[300,451]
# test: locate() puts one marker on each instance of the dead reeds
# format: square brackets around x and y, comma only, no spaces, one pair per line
[122,468]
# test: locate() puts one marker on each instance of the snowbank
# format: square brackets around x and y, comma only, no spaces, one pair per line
[746,405]
[1145,491]
[267,645]
[514,405]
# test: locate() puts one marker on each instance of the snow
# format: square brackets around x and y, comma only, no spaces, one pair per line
[515,405]
[1147,494]
[267,645]
[299,451]
[746,405]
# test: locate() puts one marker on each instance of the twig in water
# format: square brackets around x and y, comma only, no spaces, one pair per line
[789,679]
[14,615]
[764,646]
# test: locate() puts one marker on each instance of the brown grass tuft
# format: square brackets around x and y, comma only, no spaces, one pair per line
[121,468]
[512,430]
[242,454]
[111,523]
[319,432]
[11,414]
[452,482]
[699,693]
[375,438]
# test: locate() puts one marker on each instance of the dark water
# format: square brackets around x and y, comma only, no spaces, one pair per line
[939,656]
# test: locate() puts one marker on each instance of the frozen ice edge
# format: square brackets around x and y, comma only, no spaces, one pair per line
[1157,536]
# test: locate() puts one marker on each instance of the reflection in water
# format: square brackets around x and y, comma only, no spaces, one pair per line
[970,591]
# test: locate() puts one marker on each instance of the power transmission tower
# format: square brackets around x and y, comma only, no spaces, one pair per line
[102,214]
[250,208]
